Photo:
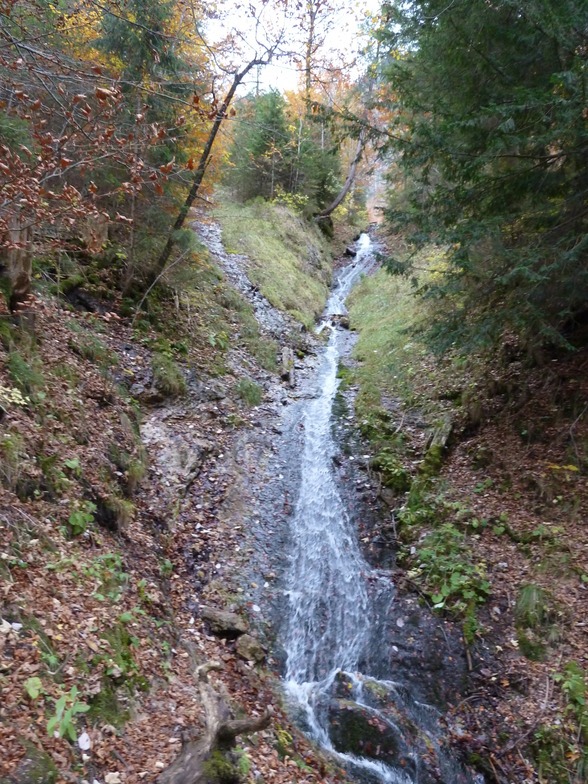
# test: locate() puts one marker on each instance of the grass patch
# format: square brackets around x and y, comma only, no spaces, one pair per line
[26,372]
[167,376]
[383,309]
[291,260]
[249,392]
[237,315]
[12,457]
[93,349]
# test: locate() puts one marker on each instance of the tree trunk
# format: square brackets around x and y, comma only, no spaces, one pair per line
[196,762]
[348,182]
[16,259]
[201,168]
[312,10]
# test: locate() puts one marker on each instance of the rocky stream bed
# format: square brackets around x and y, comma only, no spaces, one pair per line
[366,671]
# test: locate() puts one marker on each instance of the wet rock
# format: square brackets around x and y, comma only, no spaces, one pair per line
[350,252]
[250,649]
[340,320]
[357,730]
[224,623]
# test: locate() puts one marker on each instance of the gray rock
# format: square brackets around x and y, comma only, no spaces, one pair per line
[288,362]
[224,623]
[36,767]
[250,649]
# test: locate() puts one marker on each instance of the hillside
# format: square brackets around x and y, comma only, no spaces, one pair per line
[482,462]
[117,461]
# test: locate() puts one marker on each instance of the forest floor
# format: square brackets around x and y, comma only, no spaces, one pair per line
[117,453]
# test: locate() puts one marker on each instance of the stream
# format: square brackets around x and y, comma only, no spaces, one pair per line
[340,681]
[368,673]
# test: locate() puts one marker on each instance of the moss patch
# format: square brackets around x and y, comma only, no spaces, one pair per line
[291,260]
[220,770]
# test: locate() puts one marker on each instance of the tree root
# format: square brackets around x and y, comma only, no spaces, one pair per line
[207,758]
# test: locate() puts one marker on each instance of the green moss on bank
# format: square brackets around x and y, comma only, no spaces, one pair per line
[290,258]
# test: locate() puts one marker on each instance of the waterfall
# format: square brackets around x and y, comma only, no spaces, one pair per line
[330,612]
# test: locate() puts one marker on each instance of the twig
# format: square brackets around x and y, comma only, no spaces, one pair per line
[399,428]
[547,690]
[571,431]
[468,657]
[517,741]
[158,278]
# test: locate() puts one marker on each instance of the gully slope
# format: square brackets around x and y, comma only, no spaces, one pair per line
[366,673]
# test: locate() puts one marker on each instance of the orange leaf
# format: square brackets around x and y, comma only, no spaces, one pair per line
[103,94]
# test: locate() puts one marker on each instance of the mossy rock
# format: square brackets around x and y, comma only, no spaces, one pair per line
[72,282]
[219,769]
[36,767]
[433,460]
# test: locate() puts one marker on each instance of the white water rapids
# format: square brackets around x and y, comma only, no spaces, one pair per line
[331,617]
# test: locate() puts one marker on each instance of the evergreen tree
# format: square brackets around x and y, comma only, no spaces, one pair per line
[272,153]
[261,152]
[490,134]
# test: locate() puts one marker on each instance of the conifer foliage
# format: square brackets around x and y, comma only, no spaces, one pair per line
[490,143]
[278,151]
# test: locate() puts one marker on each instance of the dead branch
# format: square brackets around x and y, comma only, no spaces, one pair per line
[194,762]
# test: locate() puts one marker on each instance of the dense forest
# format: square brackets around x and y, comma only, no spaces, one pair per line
[172,217]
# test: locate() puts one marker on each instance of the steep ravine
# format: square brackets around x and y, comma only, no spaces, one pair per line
[367,673]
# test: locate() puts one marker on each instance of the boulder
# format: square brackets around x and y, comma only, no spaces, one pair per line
[250,649]
[350,252]
[36,767]
[357,730]
[224,623]
[340,320]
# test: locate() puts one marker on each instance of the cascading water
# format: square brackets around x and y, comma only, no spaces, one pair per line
[332,616]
